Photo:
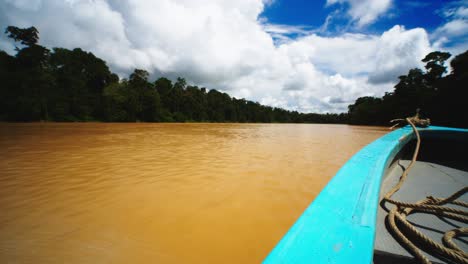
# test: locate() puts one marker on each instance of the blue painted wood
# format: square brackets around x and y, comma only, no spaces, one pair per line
[339,226]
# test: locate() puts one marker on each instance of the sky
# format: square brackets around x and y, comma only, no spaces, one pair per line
[310,56]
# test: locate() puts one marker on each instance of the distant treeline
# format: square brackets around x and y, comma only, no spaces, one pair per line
[443,99]
[38,84]
[74,85]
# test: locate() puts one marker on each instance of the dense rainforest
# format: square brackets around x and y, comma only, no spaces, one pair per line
[38,84]
[441,97]
[74,85]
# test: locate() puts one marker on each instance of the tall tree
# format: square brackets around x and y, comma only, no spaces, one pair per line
[33,80]
[75,85]
[143,97]
[26,36]
[8,80]
[81,78]
[435,64]
[441,98]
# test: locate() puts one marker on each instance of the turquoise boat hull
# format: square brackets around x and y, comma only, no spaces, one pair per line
[339,226]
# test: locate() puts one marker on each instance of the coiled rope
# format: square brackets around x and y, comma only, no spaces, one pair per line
[448,250]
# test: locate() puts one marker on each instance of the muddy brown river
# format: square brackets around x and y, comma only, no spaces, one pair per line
[161,193]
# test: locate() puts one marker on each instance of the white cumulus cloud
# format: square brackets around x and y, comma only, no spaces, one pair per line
[224,45]
[364,12]
[454,32]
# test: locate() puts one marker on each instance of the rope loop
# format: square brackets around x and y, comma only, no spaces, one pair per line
[434,205]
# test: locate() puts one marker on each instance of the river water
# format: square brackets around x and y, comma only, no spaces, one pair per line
[161,193]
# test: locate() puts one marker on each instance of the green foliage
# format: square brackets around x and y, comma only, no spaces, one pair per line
[435,64]
[453,92]
[115,102]
[143,97]
[80,78]
[28,84]
[75,85]
[460,66]
[441,98]
[26,36]
[366,110]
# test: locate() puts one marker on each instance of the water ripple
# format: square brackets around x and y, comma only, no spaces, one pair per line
[165,193]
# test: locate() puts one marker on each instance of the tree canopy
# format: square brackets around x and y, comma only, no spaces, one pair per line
[26,36]
[441,98]
[75,85]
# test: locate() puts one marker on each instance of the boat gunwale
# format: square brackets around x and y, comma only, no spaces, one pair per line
[339,225]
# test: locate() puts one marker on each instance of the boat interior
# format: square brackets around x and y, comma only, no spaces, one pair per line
[441,169]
